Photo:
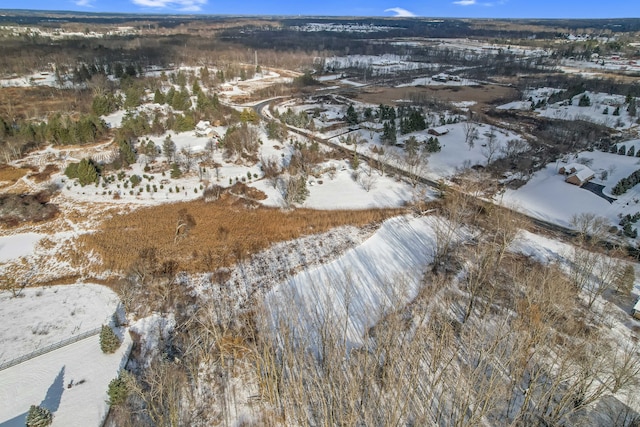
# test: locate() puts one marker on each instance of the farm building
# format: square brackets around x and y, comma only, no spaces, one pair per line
[439,131]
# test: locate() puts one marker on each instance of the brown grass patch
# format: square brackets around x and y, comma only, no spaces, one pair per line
[223,234]
[40,101]
[483,95]
[10,174]
[46,173]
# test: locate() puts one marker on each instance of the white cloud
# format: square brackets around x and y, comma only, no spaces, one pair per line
[182,5]
[465,2]
[400,12]
[84,3]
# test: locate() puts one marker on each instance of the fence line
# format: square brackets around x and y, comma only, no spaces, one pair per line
[49,348]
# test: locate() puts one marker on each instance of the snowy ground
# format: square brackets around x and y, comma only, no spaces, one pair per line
[547,196]
[17,245]
[43,316]
[46,315]
[354,290]
[594,113]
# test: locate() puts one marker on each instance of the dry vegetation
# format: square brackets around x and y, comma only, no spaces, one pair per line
[9,175]
[38,102]
[483,95]
[203,236]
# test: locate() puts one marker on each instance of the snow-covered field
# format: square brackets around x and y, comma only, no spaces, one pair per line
[600,111]
[547,196]
[71,381]
[43,316]
[17,245]
[355,290]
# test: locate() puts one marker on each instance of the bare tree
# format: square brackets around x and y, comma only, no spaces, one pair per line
[491,146]
[470,133]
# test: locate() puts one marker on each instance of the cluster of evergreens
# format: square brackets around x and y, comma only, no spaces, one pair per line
[386,112]
[626,223]
[85,72]
[411,120]
[59,130]
[300,119]
[626,183]
[86,172]
[389,132]
[622,150]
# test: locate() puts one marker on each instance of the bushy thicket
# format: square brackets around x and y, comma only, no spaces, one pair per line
[85,172]
[15,208]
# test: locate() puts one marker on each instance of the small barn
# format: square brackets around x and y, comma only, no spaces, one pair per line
[439,131]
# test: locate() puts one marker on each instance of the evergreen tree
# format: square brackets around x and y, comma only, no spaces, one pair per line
[127,155]
[118,390]
[616,112]
[584,101]
[632,108]
[109,341]
[433,145]
[158,97]
[175,171]
[39,417]
[87,172]
[389,132]
[605,111]
[632,151]
[352,116]
[168,148]
[622,150]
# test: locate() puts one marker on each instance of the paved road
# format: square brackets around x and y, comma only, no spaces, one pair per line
[537,222]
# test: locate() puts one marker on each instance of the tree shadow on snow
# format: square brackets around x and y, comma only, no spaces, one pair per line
[51,401]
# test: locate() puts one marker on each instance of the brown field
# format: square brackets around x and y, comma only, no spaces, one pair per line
[224,232]
[9,175]
[38,102]
[484,95]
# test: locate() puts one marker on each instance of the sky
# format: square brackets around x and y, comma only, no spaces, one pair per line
[419,8]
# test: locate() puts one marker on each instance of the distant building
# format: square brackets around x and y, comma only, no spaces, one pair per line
[204,129]
[438,131]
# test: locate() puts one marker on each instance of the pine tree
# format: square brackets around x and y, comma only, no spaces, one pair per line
[168,148]
[118,390]
[352,116]
[39,417]
[632,151]
[616,112]
[87,172]
[622,150]
[109,341]
[158,97]
[433,145]
[584,101]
